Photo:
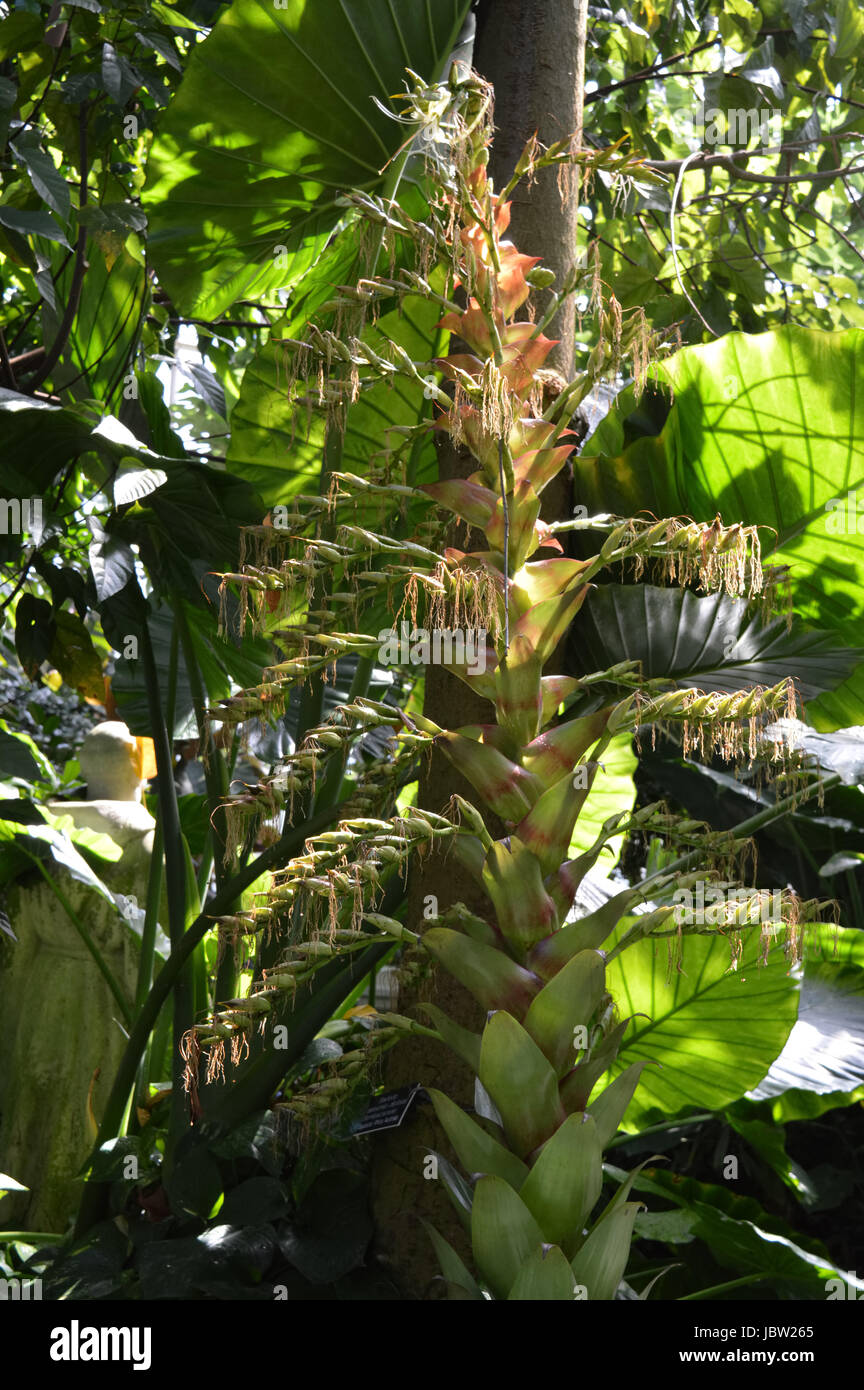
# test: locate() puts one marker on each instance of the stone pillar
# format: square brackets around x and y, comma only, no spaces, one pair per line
[61,1042]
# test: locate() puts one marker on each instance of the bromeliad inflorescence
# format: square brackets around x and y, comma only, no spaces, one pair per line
[322,574]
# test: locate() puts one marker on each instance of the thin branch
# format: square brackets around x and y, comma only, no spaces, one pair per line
[579,76]
[701,160]
[22,580]
[31,119]
[829,96]
[22,329]
[648,73]
[24,358]
[216,324]
[684,290]
[836,230]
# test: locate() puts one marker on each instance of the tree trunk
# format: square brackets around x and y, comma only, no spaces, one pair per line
[533,54]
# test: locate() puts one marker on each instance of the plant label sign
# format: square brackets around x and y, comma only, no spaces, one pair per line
[386,1111]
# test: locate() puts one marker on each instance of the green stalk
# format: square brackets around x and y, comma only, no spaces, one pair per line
[175,877]
[151,918]
[157,1047]
[146,958]
[661,1128]
[216,780]
[92,1205]
[723,1288]
[214,768]
[742,832]
[799,840]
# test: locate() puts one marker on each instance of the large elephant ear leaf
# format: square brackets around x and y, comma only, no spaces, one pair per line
[766,430]
[264,136]
[714,1029]
[714,641]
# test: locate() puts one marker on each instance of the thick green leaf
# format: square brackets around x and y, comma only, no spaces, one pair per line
[518,689]
[46,178]
[512,877]
[506,787]
[194,515]
[568,1001]
[21,757]
[32,224]
[714,1030]
[35,633]
[766,430]
[477,1151]
[585,934]
[600,1264]
[545,623]
[712,642]
[75,657]
[548,828]
[52,841]
[332,1229]
[521,1082]
[220,662]
[274,119]
[742,1237]
[461,1040]
[610,1105]
[114,297]
[767,1140]
[504,1234]
[798,1104]
[545,1277]
[38,439]
[452,1266]
[565,1181]
[825,1050]
[495,981]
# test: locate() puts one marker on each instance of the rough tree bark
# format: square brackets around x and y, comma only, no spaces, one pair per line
[533,53]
